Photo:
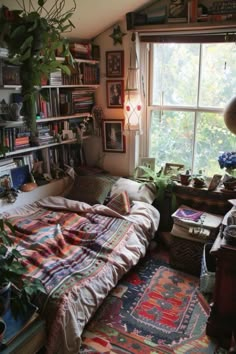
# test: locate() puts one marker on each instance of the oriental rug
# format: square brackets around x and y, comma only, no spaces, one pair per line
[153,310]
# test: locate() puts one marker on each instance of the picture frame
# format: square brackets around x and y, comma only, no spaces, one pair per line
[115,63]
[173,168]
[215,181]
[115,93]
[113,137]
[147,162]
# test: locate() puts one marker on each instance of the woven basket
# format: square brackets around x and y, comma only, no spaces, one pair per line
[186,255]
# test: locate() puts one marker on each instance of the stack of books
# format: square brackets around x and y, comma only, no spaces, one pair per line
[192,224]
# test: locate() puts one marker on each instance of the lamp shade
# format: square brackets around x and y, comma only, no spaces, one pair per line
[230,115]
[132,110]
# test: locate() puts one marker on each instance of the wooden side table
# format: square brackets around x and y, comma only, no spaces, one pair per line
[221,323]
[29,341]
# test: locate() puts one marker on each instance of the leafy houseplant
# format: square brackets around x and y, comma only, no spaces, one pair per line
[165,200]
[32,35]
[12,273]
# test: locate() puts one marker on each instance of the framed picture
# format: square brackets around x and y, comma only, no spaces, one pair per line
[113,137]
[173,168]
[115,63]
[147,162]
[115,93]
[215,181]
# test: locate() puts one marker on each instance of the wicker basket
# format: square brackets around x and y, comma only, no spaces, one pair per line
[186,254]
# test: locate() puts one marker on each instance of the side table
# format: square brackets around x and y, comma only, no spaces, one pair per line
[221,323]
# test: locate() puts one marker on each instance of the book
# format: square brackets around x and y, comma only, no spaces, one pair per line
[188,216]
[15,326]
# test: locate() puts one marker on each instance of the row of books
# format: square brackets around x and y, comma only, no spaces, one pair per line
[190,11]
[46,135]
[67,102]
[56,157]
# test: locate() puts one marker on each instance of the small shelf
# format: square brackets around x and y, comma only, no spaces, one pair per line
[211,27]
[78,60]
[69,86]
[73,116]
[40,147]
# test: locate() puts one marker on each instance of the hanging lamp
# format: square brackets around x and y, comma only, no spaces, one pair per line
[133,103]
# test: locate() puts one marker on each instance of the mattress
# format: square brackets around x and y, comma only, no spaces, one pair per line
[79,252]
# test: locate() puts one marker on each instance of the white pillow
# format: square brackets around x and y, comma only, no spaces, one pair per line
[136,191]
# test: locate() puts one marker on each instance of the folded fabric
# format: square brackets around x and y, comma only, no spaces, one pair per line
[120,203]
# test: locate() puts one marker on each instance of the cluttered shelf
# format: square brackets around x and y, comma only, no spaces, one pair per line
[214,201]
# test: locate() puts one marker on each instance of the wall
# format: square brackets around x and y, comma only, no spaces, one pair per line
[115,163]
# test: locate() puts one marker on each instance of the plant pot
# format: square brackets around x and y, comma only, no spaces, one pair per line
[5,297]
[184,179]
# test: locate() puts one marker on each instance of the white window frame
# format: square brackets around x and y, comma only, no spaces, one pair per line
[147,73]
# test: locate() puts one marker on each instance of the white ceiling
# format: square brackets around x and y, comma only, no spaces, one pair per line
[92,17]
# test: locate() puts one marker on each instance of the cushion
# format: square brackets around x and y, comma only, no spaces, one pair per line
[136,191]
[90,189]
[120,202]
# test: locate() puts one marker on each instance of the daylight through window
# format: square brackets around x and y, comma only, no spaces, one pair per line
[190,85]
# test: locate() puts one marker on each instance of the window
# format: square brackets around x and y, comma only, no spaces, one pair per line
[190,86]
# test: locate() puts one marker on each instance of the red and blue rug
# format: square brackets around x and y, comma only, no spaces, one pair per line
[153,310]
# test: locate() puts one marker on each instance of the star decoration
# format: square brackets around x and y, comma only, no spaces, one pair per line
[117,35]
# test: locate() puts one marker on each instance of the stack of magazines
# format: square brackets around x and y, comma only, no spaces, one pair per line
[191,223]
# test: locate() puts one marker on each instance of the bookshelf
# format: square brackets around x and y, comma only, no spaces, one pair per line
[186,15]
[63,106]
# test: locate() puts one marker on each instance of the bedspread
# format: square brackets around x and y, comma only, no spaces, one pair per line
[79,252]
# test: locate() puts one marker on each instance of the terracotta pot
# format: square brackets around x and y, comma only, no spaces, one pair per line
[184,179]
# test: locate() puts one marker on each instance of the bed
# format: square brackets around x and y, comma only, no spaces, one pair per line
[79,251]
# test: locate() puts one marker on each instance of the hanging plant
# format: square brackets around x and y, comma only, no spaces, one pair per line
[32,36]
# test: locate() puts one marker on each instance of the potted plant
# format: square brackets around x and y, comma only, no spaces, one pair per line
[32,35]
[12,273]
[165,200]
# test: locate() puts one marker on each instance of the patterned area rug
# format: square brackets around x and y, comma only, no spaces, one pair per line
[154,309]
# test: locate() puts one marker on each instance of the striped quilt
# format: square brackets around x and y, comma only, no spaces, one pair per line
[63,249]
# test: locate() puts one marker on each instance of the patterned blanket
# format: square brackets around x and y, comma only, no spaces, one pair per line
[65,249]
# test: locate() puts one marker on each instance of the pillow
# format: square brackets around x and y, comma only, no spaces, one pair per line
[120,202]
[136,191]
[90,189]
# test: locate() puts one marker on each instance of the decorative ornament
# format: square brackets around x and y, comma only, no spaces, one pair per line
[117,35]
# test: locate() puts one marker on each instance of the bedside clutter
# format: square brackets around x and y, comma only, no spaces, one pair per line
[215,201]
[191,230]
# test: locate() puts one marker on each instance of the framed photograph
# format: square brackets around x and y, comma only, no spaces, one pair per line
[215,181]
[147,162]
[113,137]
[115,63]
[173,168]
[115,93]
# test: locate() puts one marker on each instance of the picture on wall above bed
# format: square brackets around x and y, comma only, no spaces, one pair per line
[115,93]
[113,138]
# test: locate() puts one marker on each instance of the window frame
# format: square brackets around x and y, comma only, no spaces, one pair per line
[151,107]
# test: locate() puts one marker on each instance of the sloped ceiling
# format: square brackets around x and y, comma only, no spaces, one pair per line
[92,17]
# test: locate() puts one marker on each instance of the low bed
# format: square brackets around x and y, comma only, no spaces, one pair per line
[79,252]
